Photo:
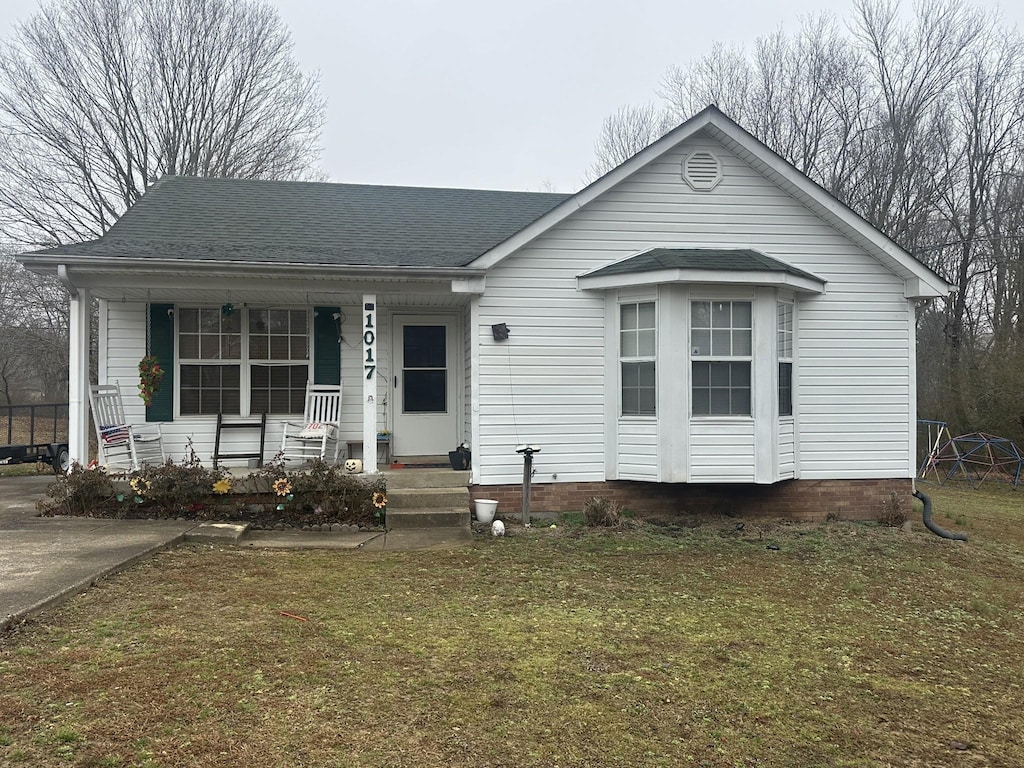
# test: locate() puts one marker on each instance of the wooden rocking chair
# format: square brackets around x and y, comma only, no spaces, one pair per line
[320,426]
[123,447]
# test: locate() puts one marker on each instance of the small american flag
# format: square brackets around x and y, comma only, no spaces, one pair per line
[114,434]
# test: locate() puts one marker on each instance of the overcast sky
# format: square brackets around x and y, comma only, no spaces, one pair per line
[499,95]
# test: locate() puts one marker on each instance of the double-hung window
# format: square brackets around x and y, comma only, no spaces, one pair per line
[243,361]
[721,344]
[637,353]
[784,334]
[278,360]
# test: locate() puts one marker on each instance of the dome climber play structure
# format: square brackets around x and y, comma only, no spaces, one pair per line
[974,457]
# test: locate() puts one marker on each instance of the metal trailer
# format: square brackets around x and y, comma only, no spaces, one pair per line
[47,436]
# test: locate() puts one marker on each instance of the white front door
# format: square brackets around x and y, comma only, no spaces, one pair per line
[426,381]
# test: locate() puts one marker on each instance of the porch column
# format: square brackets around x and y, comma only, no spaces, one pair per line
[370,383]
[78,377]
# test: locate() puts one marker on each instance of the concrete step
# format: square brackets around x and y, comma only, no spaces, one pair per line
[433,517]
[425,478]
[428,498]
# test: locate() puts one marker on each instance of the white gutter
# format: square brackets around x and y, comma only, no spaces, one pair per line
[65,278]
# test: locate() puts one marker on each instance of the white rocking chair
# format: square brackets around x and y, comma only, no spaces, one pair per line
[123,447]
[320,426]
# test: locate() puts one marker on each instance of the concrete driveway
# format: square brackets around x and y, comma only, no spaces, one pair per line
[44,560]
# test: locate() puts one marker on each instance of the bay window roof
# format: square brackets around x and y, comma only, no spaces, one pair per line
[735,266]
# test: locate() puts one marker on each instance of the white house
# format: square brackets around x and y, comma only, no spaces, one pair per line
[701,326]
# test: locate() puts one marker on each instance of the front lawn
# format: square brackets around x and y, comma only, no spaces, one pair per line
[762,645]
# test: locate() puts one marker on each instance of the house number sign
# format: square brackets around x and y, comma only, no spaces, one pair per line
[370,340]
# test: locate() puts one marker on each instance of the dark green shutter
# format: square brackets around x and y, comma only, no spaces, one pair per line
[326,346]
[161,344]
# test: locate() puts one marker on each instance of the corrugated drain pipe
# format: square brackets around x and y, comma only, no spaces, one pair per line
[926,517]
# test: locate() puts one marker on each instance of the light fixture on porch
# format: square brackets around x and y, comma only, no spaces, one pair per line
[227,309]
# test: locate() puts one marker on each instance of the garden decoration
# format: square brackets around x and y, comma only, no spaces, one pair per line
[150,376]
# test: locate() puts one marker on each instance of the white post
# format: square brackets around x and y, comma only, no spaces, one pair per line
[78,377]
[370,383]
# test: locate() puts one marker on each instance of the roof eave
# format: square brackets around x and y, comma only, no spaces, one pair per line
[50,263]
[778,279]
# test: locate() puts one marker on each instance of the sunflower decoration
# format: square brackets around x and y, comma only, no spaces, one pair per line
[140,485]
[282,487]
[379,500]
[222,486]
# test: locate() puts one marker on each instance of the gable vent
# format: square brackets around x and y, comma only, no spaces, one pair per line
[701,170]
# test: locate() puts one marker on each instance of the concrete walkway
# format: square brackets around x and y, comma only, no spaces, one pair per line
[44,560]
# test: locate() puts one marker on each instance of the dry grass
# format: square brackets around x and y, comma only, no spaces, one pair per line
[848,645]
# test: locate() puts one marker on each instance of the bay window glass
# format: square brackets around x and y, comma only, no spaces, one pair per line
[637,358]
[721,347]
[784,334]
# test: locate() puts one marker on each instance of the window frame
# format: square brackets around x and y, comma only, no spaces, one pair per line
[637,360]
[244,361]
[714,356]
[785,313]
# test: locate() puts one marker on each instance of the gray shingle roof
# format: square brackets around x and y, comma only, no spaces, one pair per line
[208,219]
[730,259]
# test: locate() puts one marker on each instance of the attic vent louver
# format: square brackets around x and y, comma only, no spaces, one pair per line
[701,170]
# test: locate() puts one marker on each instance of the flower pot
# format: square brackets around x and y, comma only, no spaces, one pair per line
[459,459]
[485,509]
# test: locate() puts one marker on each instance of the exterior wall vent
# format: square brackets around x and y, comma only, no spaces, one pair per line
[702,170]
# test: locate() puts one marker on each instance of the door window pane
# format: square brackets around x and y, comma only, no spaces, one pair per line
[424,346]
[425,391]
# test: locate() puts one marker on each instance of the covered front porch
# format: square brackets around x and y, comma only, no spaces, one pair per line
[240,340]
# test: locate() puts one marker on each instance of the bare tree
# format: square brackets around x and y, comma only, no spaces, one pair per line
[98,98]
[33,335]
[626,132]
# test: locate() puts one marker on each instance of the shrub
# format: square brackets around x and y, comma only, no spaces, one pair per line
[314,495]
[894,511]
[174,489]
[80,492]
[603,512]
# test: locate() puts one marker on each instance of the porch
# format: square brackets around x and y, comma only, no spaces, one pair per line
[246,342]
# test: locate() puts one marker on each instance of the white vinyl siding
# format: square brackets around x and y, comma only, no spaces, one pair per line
[787,449]
[852,347]
[638,450]
[722,450]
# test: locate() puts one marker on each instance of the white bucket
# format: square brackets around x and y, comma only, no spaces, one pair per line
[485,509]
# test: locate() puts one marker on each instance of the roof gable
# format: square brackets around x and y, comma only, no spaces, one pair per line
[919,280]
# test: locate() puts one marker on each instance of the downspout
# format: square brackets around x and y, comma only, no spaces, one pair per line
[65,279]
[926,517]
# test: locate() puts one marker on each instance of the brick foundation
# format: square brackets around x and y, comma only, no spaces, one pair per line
[810,500]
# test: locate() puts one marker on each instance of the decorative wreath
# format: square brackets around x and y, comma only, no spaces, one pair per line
[150,376]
